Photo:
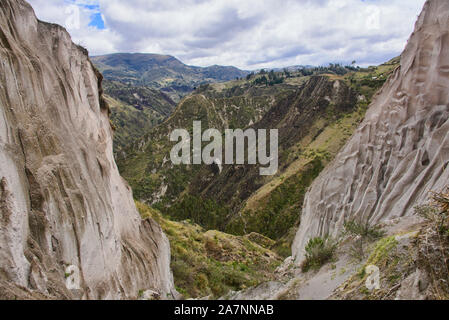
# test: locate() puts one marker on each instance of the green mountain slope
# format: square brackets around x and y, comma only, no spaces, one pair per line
[132,121]
[141,97]
[315,115]
[237,104]
[142,90]
[161,72]
[211,263]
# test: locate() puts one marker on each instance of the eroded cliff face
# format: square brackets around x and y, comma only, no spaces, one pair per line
[67,218]
[401,150]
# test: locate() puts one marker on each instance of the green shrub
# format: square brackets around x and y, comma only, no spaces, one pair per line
[364,230]
[319,251]
[365,233]
[212,263]
[205,212]
[437,212]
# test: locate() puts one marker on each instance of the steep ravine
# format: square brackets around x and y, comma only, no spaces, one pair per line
[63,206]
[401,150]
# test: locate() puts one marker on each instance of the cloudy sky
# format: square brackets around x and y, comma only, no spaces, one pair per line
[249,34]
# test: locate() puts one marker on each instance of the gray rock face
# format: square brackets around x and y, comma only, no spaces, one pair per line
[401,150]
[414,287]
[68,224]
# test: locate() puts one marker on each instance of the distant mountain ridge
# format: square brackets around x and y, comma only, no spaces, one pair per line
[162,72]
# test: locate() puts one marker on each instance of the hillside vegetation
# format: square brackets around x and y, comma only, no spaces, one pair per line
[212,263]
[161,72]
[280,200]
[316,110]
[413,264]
[148,167]
[131,119]
[143,89]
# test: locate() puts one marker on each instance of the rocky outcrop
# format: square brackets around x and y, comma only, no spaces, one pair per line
[401,150]
[68,224]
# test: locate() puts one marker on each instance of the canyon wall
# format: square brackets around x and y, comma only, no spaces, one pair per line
[69,227]
[400,153]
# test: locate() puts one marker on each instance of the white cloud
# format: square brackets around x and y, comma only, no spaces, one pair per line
[249,34]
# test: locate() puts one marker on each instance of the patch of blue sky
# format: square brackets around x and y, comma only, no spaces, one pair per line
[97,21]
[93,6]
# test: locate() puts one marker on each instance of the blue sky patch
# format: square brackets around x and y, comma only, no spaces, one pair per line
[97,21]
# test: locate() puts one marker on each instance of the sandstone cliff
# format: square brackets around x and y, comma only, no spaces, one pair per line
[67,218]
[401,150]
